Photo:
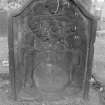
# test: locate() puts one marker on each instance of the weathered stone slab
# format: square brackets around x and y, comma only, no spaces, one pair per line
[51,46]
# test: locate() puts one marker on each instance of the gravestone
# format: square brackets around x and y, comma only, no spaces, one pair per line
[51,47]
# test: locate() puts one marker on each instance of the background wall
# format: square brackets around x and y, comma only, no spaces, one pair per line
[3,23]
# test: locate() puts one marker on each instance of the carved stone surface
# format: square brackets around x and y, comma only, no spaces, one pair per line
[50,46]
[56,38]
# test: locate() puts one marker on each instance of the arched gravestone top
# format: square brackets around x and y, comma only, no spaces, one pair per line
[76,3]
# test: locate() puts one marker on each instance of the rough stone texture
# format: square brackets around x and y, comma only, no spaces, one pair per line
[94,96]
[98,69]
[5,100]
[50,41]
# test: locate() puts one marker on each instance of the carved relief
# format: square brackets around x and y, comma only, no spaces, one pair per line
[51,46]
[54,38]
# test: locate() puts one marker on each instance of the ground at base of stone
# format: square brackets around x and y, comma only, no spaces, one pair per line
[6,100]
[99,68]
[93,100]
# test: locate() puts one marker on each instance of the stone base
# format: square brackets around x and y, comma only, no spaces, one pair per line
[33,94]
